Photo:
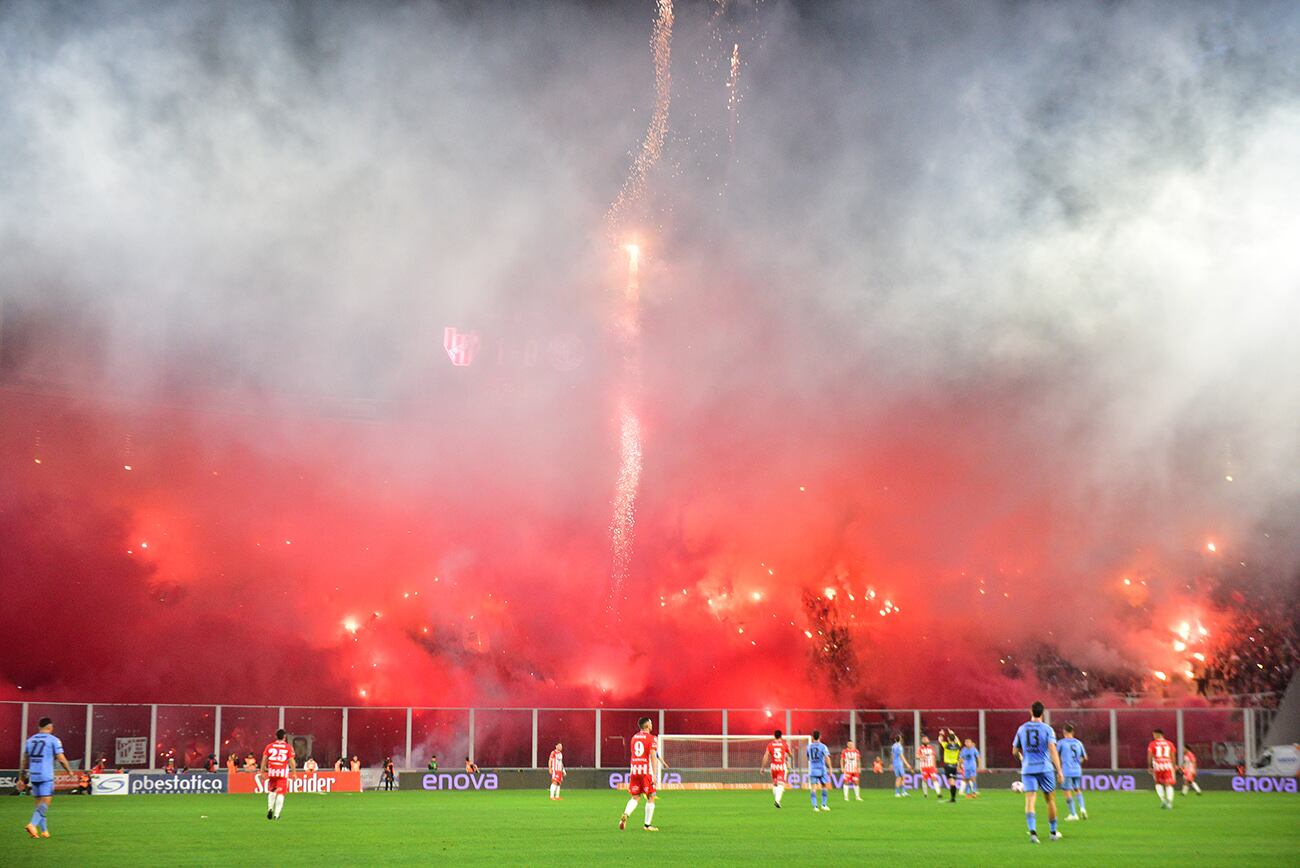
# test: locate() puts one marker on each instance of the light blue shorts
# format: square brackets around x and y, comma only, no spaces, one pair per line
[1044,782]
[41,789]
[819,778]
[1073,782]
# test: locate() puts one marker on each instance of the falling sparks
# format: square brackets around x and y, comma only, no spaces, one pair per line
[652,145]
[733,101]
[351,625]
[623,523]
[1211,547]
[1160,675]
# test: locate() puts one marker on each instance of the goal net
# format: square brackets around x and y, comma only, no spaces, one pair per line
[727,761]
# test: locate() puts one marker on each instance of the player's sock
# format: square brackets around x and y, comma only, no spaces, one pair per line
[270,801]
[846,792]
[1078,800]
[952,792]
[857,791]
[279,804]
[38,817]
[826,795]
[1196,787]
[778,791]
[630,807]
[1032,822]
[1051,824]
[1069,805]
[812,794]
[649,812]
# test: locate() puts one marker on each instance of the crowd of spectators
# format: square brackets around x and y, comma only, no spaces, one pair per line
[1255,659]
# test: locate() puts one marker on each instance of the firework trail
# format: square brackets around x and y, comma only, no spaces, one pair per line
[652,145]
[623,523]
[733,102]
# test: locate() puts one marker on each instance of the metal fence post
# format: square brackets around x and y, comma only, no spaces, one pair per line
[280,725]
[1114,740]
[983,740]
[216,737]
[22,732]
[725,757]
[916,730]
[789,722]
[343,741]
[597,738]
[661,721]
[1248,735]
[853,726]
[534,738]
[409,719]
[153,735]
[1178,718]
[90,728]
[471,735]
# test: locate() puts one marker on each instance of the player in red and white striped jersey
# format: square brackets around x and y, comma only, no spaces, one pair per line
[1160,759]
[556,765]
[277,763]
[925,765]
[1189,772]
[644,748]
[777,757]
[851,770]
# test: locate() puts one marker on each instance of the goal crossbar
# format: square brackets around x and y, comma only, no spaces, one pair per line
[717,752]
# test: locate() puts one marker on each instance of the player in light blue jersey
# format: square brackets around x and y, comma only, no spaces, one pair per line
[1073,756]
[819,775]
[1035,745]
[39,755]
[970,767]
[901,767]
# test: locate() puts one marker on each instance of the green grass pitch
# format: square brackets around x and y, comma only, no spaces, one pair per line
[524,827]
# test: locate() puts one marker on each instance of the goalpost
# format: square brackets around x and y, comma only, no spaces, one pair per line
[727,761]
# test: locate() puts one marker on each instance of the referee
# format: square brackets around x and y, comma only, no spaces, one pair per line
[951,756]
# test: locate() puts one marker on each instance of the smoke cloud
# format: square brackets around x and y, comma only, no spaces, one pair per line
[966,331]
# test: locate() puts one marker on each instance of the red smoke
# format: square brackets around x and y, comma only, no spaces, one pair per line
[452,557]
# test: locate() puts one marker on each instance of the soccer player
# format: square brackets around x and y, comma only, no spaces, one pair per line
[40,752]
[388,777]
[556,765]
[471,768]
[1073,756]
[277,763]
[646,763]
[951,756]
[970,767]
[1035,746]
[776,757]
[1160,759]
[1189,772]
[901,767]
[925,764]
[851,769]
[819,774]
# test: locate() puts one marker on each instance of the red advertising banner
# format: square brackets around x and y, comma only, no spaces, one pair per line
[299,782]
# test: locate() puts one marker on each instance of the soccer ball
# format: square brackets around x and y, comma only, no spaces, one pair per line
[1017,786]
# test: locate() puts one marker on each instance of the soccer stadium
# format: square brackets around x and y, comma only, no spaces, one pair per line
[691,432]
